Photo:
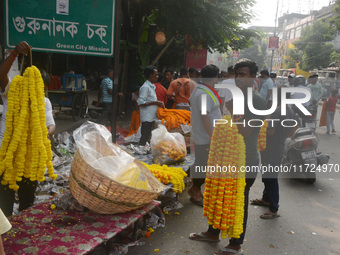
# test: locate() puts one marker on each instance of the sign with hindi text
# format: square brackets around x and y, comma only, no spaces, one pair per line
[64,26]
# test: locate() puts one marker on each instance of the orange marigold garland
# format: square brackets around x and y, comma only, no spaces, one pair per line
[26,149]
[224,190]
[172,118]
[262,140]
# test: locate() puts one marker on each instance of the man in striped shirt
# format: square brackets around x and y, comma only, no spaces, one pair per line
[105,94]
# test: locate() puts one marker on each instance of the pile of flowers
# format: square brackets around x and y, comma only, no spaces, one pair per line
[224,190]
[26,149]
[172,118]
[166,175]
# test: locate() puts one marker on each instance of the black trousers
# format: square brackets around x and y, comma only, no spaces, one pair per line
[25,192]
[106,114]
[201,159]
[146,132]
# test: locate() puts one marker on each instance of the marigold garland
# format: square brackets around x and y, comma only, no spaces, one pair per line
[262,140]
[26,149]
[166,175]
[224,190]
[173,117]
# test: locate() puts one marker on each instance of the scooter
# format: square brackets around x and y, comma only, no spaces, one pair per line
[301,155]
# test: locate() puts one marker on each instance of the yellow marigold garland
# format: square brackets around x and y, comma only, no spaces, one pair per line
[26,149]
[165,174]
[224,190]
[262,141]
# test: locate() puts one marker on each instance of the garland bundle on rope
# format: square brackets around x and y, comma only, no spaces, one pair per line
[173,117]
[26,149]
[262,140]
[166,175]
[224,190]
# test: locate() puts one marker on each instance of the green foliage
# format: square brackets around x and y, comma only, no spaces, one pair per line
[314,43]
[256,52]
[335,57]
[293,57]
[335,21]
[214,24]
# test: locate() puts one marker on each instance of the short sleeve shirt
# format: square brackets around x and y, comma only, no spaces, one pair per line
[105,86]
[147,94]
[182,88]
[199,134]
[266,86]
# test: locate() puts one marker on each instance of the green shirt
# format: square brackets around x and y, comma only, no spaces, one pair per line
[316,91]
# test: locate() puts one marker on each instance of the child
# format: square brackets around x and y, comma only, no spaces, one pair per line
[330,109]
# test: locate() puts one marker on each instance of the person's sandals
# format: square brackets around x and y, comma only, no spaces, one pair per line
[201,237]
[269,216]
[199,203]
[259,202]
[228,251]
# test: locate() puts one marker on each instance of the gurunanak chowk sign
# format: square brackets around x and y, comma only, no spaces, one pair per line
[66,26]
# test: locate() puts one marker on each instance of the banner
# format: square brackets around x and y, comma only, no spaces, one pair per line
[273,43]
[66,26]
[195,57]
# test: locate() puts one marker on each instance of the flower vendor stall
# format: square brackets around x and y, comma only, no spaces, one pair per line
[41,230]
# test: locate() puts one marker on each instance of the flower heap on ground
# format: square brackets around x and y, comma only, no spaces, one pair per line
[166,175]
[224,190]
[173,117]
[26,149]
[262,141]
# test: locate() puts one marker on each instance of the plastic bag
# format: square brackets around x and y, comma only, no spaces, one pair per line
[167,148]
[95,145]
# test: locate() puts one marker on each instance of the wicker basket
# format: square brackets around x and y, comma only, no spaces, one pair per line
[105,196]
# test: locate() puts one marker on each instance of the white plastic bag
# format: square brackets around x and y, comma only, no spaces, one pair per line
[167,148]
[95,145]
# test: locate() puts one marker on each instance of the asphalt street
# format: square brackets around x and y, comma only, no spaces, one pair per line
[309,222]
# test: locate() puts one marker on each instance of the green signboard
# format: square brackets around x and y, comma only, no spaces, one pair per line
[66,26]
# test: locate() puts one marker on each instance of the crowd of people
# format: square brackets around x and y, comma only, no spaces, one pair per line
[185,92]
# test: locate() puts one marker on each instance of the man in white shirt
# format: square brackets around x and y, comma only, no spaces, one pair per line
[148,103]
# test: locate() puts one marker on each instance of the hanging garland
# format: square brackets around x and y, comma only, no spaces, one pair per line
[224,190]
[26,149]
[262,140]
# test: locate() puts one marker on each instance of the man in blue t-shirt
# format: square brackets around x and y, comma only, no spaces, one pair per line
[105,94]
[267,87]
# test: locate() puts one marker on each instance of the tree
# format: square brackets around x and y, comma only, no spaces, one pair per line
[335,57]
[315,45]
[335,21]
[257,52]
[293,57]
[213,24]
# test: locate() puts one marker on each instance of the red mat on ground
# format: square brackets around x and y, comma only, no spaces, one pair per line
[41,230]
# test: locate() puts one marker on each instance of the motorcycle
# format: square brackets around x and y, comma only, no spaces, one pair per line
[301,155]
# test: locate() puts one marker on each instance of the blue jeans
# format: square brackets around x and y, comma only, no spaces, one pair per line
[250,179]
